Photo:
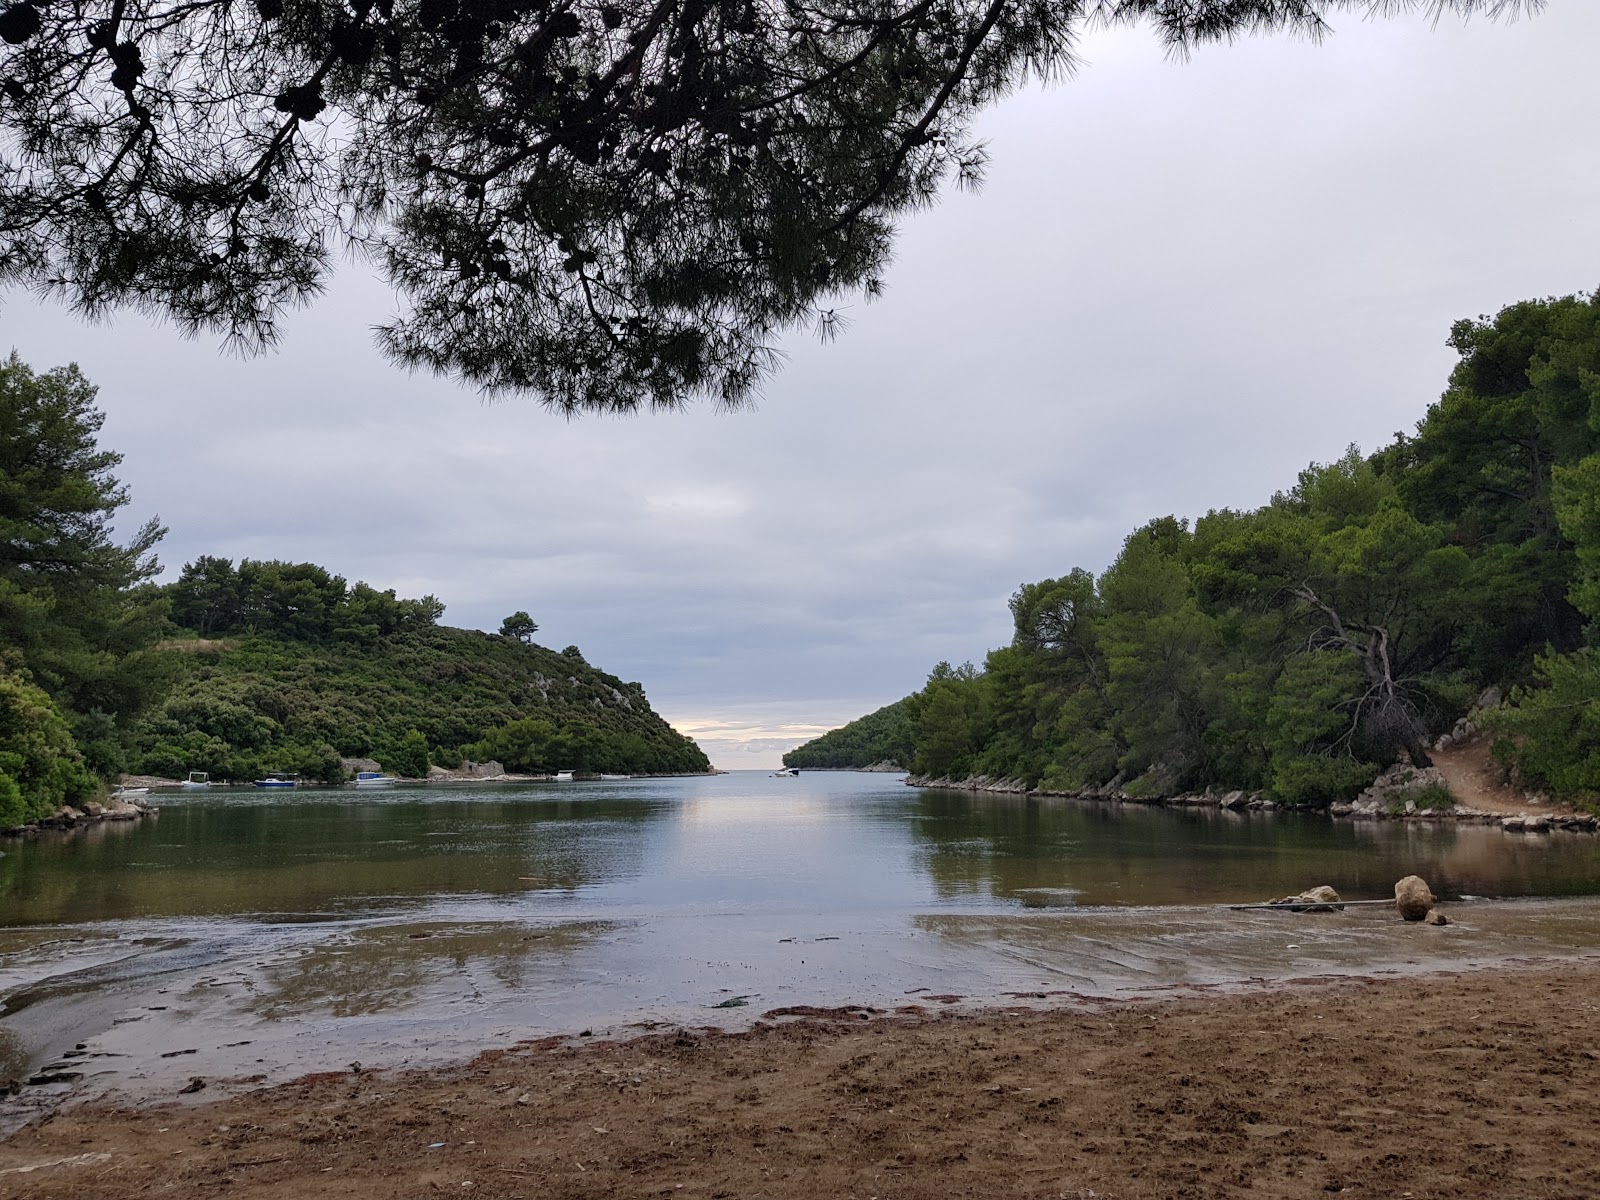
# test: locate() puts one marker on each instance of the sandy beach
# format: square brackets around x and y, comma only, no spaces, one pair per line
[1480,1083]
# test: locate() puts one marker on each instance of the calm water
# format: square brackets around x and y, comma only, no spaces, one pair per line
[828,842]
[275,933]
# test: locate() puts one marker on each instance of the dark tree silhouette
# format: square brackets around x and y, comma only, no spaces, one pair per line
[607,203]
[519,625]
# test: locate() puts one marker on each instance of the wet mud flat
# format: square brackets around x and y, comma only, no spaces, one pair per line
[1478,1083]
[197,1011]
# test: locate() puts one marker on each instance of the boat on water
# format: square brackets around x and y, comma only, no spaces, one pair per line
[786,772]
[616,776]
[127,793]
[563,776]
[374,779]
[277,779]
[197,779]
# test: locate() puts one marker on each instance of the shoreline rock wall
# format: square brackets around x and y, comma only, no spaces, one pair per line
[90,812]
[1391,797]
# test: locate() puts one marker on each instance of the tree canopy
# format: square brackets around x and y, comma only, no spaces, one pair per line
[1301,647]
[881,736]
[519,625]
[78,617]
[606,203]
[75,616]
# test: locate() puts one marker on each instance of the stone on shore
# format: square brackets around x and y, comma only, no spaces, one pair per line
[1435,917]
[1317,899]
[1413,898]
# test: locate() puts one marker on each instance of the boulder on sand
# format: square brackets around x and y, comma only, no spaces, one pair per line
[1412,898]
[1435,917]
[1317,899]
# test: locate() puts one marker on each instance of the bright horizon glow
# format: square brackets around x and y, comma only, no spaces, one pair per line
[736,742]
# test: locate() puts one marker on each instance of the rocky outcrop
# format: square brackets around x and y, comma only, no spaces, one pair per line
[469,770]
[1402,792]
[973,783]
[353,766]
[89,812]
[1111,790]
[885,767]
[1413,898]
[1396,792]
[1317,899]
[1466,728]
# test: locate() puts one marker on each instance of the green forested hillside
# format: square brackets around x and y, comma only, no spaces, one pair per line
[882,736]
[244,706]
[297,669]
[1302,646]
[239,670]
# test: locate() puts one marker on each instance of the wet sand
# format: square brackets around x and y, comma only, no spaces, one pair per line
[1481,1083]
[132,1019]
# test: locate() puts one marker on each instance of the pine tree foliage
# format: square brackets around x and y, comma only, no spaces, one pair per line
[607,203]
[883,736]
[1301,647]
[76,616]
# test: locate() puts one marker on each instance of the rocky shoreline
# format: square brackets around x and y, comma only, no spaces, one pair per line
[1402,793]
[90,812]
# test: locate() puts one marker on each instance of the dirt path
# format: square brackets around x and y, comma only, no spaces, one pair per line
[1478,1085]
[1474,779]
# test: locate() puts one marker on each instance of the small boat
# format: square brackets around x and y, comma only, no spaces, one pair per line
[616,776]
[127,793]
[374,779]
[786,772]
[563,776]
[197,779]
[277,779]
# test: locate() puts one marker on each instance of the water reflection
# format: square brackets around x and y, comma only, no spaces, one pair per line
[1051,853]
[836,843]
[269,936]
[214,858]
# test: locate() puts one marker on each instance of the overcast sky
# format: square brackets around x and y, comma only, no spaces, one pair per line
[1180,284]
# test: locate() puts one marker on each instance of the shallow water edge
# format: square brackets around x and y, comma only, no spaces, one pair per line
[112,1016]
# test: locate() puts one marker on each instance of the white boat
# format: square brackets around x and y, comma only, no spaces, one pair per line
[563,776]
[197,779]
[374,779]
[124,793]
[616,777]
[786,772]
[276,780]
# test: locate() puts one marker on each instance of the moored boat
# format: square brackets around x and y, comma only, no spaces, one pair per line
[197,779]
[786,772]
[563,776]
[374,779]
[276,779]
